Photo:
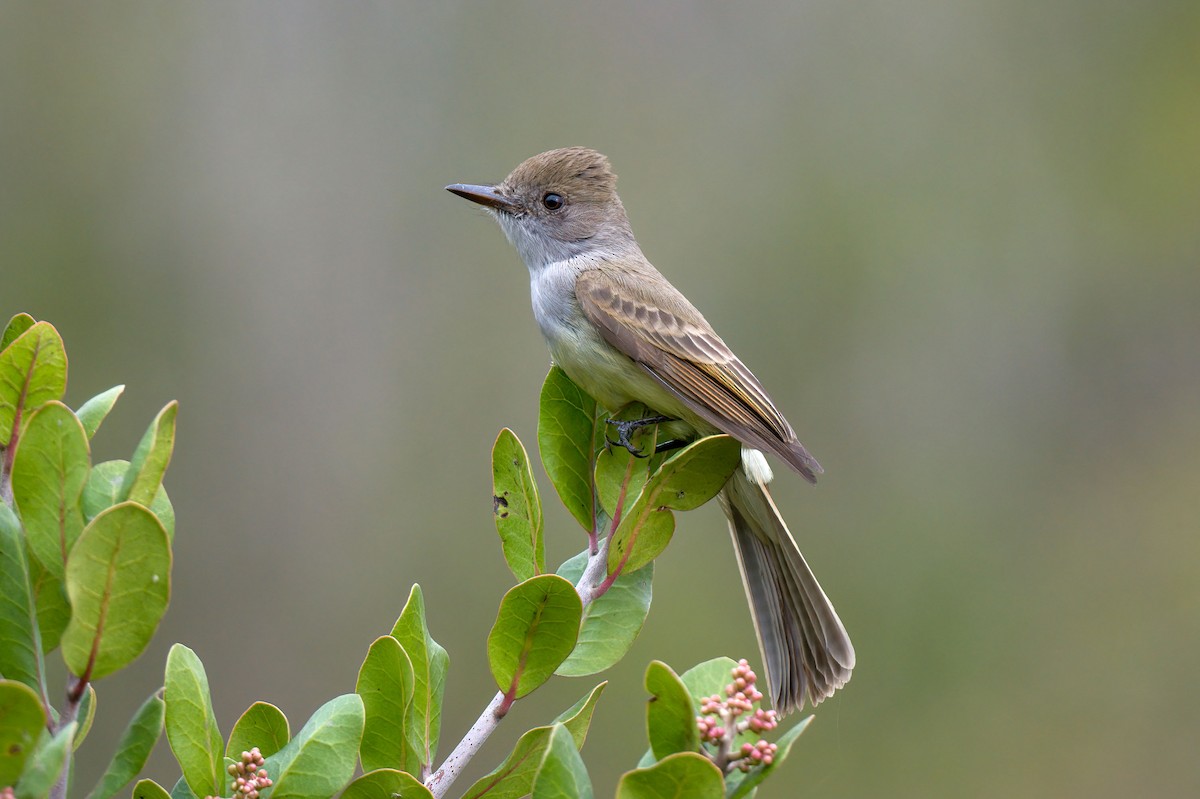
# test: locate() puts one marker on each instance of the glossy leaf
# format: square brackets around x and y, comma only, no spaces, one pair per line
[710,677]
[687,774]
[262,725]
[684,481]
[385,683]
[513,778]
[641,540]
[133,749]
[181,790]
[535,630]
[517,507]
[670,713]
[151,458]
[33,371]
[149,789]
[619,474]
[430,663]
[103,490]
[119,583]
[191,724]
[386,783]
[46,763]
[561,774]
[567,431]
[20,652]
[578,717]
[53,608]
[93,412]
[86,715]
[610,623]
[320,760]
[743,785]
[695,474]
[50,468]
[15,327]
[22,721]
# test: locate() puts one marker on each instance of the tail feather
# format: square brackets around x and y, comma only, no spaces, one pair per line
[805,648]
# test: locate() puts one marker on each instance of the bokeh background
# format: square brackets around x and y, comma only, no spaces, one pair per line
[959,242]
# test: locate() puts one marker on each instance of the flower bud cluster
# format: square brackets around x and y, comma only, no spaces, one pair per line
[755,754]
[249,776]
[720,721]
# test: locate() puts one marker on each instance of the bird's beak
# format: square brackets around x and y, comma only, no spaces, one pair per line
[486,196]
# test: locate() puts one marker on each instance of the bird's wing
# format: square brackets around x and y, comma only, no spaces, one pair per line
[678,348]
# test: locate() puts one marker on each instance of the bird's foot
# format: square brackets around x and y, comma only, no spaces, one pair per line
[627,427]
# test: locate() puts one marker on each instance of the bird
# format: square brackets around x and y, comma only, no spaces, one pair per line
[623,333]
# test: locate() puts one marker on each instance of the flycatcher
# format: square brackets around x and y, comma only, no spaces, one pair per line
[623,334]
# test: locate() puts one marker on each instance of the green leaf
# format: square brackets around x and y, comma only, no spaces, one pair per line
[567,432]
[517,507]
[534,632]
[386,783]
[162,508]
[46,764]
[743,785]
[685,481]
[561,774]
[119,583]
[151,458]
[133,750]
[611,623]
[430,662]
[578,717]
[20,654]
[181,790]
[149,789]
[85,715]
[385,683]
[103,490]
[708,678]
[697,473]
[22,721]
[33,371]
[191,724]
[619,474]
[53,609]
[50,467]
[320,760]
[670,713]
[93,412]
[640,538]
[513,778]
[16,326]
[262,725]
[687,774]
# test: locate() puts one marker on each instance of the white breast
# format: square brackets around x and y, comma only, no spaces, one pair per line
[576,346]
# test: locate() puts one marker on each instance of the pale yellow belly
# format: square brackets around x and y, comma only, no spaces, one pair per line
[614,380]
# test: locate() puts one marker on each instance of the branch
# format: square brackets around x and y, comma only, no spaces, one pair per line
[589,588]
[480,731]
[70,711]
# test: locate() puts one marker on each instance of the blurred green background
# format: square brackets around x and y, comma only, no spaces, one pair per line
[960,243]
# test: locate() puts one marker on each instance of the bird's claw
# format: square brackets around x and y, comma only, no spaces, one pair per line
[627,427]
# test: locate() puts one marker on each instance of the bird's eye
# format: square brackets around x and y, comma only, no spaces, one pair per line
[552,201]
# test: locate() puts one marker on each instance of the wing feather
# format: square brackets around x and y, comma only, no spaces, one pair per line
[679,349]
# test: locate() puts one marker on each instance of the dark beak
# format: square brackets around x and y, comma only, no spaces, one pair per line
[484,195]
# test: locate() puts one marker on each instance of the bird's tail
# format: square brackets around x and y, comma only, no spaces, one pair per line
[805,648]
